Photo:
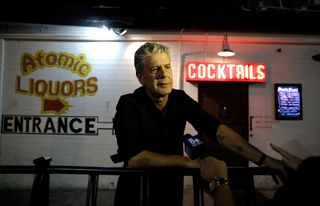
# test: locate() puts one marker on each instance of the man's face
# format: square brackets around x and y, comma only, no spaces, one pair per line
[157,75]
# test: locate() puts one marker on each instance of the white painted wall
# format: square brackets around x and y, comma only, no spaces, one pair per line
[1,81]
[112,63]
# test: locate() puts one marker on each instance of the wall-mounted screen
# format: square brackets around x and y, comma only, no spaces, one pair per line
[288,101]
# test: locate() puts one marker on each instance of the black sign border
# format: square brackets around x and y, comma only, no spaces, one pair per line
[277,115]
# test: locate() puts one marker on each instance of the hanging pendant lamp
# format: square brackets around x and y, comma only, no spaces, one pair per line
[226,51]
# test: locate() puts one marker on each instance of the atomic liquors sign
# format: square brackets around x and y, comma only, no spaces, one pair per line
[54,78]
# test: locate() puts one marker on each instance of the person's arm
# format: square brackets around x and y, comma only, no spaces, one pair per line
[147,159]
[222,196]
[210,169]
[233,141]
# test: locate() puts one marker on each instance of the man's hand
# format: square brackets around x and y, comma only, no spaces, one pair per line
[211,167]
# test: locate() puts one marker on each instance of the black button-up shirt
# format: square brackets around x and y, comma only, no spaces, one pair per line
[140,125]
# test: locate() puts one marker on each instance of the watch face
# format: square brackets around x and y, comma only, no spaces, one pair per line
[212,185]
[216,182]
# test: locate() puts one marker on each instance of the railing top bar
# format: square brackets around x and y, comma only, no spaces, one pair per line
[60,169]
[90,170]
[17,169]
[252,170]
[120,170]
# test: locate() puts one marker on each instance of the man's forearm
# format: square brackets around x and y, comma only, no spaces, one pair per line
[233,141]
[148,159]
[222,196]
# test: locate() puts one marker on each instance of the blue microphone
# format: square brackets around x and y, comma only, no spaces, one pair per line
[193,146]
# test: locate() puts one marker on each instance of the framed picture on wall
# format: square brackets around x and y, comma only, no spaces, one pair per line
[288,101]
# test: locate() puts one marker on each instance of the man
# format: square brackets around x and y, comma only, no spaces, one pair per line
[149,126]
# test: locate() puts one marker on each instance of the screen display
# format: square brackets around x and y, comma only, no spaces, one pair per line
[288,101]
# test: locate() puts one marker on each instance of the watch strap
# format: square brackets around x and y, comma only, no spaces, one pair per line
[261,160]
[216,182]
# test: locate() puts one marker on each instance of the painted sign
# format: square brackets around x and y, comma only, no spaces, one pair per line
[225,72]
[53,125]
[53,91]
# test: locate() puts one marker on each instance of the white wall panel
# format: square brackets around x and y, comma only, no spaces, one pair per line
[2,51]
[115,76]
[112,65]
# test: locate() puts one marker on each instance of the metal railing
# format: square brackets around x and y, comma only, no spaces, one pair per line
[42,171]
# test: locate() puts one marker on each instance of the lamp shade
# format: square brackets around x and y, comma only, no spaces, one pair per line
[119,31]
[226,51]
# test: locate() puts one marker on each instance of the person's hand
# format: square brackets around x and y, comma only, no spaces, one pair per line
[287,158]
[189,163]
[211,167]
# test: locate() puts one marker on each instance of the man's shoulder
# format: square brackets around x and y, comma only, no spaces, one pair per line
[125,96]
[136,95]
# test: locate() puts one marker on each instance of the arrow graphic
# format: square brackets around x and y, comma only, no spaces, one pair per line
[54,105]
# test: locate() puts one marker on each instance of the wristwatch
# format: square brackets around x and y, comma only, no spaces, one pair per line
[216,182]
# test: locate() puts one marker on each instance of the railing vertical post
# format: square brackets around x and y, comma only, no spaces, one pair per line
[41,182]
[197,191]
[252,191]
[92,190]
[142,190]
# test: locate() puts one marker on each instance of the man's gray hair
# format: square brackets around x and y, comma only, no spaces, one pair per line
[146,50]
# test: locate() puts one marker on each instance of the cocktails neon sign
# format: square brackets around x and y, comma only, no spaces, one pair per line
[225,72]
